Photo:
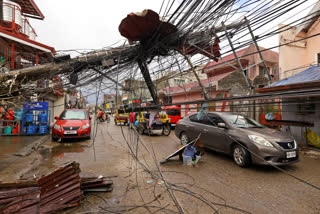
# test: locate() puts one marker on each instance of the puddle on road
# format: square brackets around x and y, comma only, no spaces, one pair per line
[50,156]
[13,144]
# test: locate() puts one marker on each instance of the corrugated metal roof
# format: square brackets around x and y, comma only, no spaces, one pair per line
[311,74]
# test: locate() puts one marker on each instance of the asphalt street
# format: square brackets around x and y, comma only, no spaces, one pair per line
[215,184]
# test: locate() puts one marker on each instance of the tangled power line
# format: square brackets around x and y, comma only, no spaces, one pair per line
[189,18]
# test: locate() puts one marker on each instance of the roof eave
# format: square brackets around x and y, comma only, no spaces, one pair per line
[37,9]
[315,84]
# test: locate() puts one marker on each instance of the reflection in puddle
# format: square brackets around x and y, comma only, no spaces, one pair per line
[13,144]
[59,151]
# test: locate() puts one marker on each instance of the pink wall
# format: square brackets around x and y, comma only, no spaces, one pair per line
[271,58]
[195,96]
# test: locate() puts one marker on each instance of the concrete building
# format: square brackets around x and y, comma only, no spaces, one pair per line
[299,53]
[225,80]
[177,78]
[300,71]
[18,45]
[19,48]
[137,90]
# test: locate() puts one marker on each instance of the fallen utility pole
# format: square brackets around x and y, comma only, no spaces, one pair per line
[204,91]
[146,75]
[266,71]
[114,81]
[236,57]
[109,78]
[107,57]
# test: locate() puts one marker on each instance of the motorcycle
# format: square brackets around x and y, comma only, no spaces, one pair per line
[102,119]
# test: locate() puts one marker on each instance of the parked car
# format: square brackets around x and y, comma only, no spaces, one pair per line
[243,138]
[72,123]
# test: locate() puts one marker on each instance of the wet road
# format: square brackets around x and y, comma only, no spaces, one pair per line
[11,145]
[216,178]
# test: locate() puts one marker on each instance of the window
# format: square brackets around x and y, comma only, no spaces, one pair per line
[307,106]
[261,70]
[212,119]
[73,115]
[318,58]
[194,118]
[173,112]
[179,81]
[243,122]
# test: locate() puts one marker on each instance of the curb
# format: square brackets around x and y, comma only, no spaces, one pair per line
[32,147]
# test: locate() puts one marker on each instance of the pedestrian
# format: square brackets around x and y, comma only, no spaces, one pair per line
[147,118]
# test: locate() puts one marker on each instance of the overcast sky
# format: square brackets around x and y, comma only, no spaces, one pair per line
[79,24]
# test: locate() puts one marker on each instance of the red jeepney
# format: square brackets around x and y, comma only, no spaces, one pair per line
[174,113]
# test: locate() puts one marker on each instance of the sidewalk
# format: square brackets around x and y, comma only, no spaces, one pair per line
[17,148]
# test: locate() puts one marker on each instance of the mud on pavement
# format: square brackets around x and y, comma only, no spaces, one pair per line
[215,184]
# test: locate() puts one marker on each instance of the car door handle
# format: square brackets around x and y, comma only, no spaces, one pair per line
[206,130]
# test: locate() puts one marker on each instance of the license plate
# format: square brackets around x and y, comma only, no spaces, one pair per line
[291,154]
[70,132]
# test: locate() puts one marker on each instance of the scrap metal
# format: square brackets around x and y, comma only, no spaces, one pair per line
[58,190]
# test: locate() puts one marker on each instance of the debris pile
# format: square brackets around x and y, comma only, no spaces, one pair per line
[58,190]
[99,184]
[20,200]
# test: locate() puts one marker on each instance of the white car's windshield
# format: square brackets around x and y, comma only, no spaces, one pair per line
[243,122]
[73,115]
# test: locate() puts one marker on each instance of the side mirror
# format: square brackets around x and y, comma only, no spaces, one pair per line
[56,118]
[222,125]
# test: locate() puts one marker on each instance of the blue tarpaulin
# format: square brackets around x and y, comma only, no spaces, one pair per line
[311,74]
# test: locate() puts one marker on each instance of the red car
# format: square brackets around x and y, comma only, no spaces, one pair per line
[72,123]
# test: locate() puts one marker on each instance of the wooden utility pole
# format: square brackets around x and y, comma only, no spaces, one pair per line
[266,71]
[146,75]
[204,91]
[236,57]
[106,58]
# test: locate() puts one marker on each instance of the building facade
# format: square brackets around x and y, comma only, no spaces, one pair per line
[299,60]
[18,45]
[296,53]
[224,79]
[19,48]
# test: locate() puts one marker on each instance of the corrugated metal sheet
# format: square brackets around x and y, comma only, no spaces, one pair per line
[311,74]
[58,190]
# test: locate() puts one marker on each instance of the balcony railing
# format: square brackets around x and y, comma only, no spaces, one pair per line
[11,19]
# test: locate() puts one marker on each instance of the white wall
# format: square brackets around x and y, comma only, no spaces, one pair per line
[58,107]
[290,112]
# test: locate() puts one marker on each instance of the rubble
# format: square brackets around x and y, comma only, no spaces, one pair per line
[99,184]
[58,190]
